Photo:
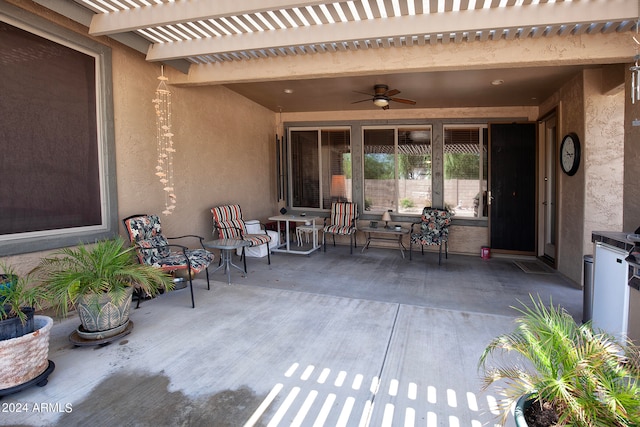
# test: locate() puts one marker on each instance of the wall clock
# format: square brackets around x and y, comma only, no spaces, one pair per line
[570,154]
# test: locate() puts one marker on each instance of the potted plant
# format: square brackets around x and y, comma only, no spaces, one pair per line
[99,281]
[18,300]
[563,371]
[24,337]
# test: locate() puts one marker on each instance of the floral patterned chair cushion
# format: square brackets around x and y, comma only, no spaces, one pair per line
[143,227]
[151,251]
[433,230]
[153,248]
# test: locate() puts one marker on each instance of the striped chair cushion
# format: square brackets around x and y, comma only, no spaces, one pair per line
[230,229]
[342,216]
[228,222]
[257,239]
[339,229]
[343,213]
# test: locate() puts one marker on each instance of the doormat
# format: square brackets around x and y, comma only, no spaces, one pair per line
[533,267]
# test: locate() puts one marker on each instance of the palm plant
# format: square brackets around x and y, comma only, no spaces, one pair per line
[16,294]
[108,267]
[588,377]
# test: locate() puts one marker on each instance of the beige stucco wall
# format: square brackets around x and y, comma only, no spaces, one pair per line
[603,157]
[524,113]
[592,199]
[571,188]
[225,147]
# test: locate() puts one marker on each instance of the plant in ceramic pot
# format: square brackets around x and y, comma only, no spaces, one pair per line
[99,281]
[18,300]
[561,373]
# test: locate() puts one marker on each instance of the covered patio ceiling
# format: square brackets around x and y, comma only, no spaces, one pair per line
[297,56]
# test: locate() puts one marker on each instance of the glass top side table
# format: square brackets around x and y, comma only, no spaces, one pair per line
[227,247]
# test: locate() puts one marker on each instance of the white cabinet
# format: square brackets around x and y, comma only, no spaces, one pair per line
[610,290]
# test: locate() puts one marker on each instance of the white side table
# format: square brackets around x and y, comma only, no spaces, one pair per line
[287,219]
[307,230]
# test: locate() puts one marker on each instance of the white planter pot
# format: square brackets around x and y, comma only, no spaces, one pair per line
[24,358]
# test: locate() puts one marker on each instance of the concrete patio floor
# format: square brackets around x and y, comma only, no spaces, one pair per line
[329,339]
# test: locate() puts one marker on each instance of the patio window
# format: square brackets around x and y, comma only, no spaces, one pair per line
[397,169]
[55,138]
[320,167]
[465,170]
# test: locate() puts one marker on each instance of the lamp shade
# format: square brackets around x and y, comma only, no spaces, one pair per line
[386,216]
[338,185]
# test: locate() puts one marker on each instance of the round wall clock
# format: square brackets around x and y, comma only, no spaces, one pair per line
[570,154]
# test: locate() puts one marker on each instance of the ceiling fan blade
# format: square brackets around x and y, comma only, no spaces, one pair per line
[382,92]
[363,93]
[403,101]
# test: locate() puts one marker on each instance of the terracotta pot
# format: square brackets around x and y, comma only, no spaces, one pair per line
[99,313]
[24,358]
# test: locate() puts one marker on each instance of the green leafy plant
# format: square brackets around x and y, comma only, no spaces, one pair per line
[16,293]
[108,267]
[406,203]
[588,377]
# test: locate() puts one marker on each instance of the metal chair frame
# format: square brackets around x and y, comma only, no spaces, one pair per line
[181,248]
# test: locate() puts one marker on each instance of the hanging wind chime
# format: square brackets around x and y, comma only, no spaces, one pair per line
[635,69]
[164,141]
[635,76]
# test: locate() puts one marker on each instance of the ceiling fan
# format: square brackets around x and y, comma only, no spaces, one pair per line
[382,95]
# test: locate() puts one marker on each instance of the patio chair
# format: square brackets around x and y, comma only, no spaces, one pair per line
[342,222]
[228,224]
[153,248]
[433,230]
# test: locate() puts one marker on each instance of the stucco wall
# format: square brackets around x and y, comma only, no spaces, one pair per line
[603,158]
[225,146]
[225,149]
[571,188]
[592,199]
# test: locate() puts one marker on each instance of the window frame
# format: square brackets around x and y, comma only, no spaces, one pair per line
[18,243]
[321,190]
[481,144]
[396,128]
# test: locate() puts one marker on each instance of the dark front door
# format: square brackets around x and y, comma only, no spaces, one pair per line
[513,187]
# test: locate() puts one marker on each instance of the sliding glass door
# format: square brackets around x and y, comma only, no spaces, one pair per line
[320,167]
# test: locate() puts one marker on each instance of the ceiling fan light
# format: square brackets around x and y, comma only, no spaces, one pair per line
[380,102]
